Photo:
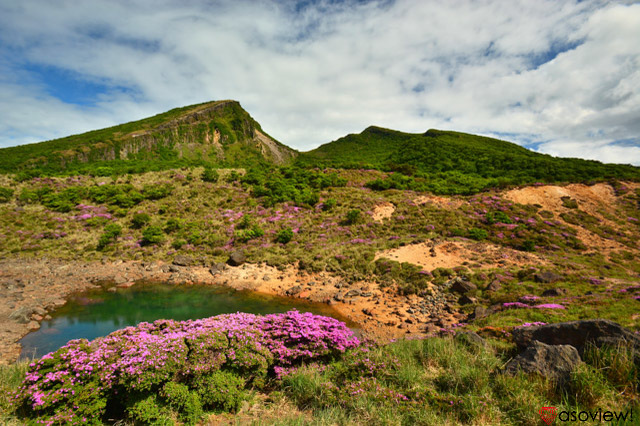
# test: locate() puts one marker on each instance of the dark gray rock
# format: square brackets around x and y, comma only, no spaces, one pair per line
[554,292]
[462,287]
[466,300]
[494,286]
[237,258]
[478,313]
[578,334]
[472,340]
[294,290]
[182,260]
[554,362]
[546,277]
[353,293]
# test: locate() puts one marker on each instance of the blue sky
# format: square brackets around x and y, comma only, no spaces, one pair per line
[560,77]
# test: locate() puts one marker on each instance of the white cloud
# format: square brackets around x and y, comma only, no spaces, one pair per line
[330,69]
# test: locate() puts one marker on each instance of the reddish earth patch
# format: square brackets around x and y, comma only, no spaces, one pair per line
[383,211]
[459,253]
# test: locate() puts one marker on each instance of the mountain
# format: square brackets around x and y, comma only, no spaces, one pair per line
[218,133]
[456,156]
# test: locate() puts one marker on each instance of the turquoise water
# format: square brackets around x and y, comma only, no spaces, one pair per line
[99,312]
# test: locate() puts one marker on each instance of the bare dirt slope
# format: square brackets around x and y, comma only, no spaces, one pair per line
[459,253]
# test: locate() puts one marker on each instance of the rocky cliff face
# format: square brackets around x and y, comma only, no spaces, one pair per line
[217,132]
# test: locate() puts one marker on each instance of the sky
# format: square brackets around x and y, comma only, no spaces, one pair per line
[559,77]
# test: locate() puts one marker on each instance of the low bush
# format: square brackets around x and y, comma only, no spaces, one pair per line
[284,235]
[174,365]
[140,220]
[111,232]
[152,235]
[210,175]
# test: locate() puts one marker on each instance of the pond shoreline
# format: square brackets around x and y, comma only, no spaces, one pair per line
[33,288]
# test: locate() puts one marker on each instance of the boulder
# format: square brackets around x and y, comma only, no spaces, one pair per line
[479,312]
[22,315]
[462,287]
[466,300]
[555,362]
[471,340]
[577,334]
[494,286]
[181,260]
[554,292]
[353,293]
[237,258]
[217,268]
[294,290]
[546,277]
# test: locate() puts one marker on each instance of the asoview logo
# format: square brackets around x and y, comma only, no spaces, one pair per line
[549,414]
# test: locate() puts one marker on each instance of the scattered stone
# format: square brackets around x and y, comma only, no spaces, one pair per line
[294,290]
[466,300]
[237,258]
[546,277]
[367,311]
[472,339]
[182,260]
[173,268]
[494,286]
[554,362]
[33,326]
[554,292]
[577,334]
[353,293]
[266,278]
[462,287]
[22,315]
[479,312]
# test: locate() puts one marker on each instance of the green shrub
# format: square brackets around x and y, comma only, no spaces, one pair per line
[497,217]
[478,234]
[246,222]
[177,244]
[173,225]
[353,216]
[152,235]
[111,232]
[140,220]
[329,204]
[5,194]
[210,175]
[103,171]
[569,202]
[244,235]
[182,400]
[284,235]
[221,390]
[151,411]
[156,192]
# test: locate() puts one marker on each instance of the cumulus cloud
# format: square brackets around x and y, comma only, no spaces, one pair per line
[561,76]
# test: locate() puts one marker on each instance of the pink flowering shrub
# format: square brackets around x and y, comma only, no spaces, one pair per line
[125,370]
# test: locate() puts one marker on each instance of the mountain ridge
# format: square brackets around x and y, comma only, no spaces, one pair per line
[223,134]
[219,132]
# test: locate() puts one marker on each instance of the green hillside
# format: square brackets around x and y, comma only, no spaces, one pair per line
[217,133]
[452,162]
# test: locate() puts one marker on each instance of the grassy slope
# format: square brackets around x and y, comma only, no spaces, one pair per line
[450,383]
[232,121]
[452,156]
